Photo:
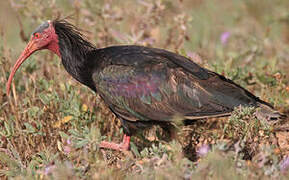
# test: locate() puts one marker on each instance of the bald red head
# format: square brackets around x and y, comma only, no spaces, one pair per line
[44,37]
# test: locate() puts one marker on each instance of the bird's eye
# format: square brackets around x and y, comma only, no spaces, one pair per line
[36,35]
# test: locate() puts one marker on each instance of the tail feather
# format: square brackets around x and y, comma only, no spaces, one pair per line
[265,112]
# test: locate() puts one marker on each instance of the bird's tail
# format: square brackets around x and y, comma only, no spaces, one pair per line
[265,112]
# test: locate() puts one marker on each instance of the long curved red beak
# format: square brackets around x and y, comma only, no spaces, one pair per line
[30,49]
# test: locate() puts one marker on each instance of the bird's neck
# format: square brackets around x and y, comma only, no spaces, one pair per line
[77,63]
[75,52]
[76,60]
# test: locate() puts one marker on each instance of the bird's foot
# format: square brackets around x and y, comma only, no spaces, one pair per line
[124,146]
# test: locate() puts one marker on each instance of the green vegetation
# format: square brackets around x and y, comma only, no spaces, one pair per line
[50,126]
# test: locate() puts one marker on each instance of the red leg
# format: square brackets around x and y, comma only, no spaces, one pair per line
[124,146]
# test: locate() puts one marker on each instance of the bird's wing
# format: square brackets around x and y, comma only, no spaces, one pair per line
[162,90]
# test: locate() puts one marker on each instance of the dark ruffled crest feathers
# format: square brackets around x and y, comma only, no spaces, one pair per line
[71,35]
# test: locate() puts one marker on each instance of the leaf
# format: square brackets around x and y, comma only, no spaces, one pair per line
[134,149]
[45,98]
[81,143]
[66,119]
[63,135]
[34,111]
[8,129]
[29,128]
[84,108]
[62,121]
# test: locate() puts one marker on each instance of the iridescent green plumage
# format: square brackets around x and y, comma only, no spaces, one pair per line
[152,85]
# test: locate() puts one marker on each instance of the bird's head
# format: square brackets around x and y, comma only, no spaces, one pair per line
[44,37]
[60,37]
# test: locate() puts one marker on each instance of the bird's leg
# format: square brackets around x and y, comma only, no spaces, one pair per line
[124,146]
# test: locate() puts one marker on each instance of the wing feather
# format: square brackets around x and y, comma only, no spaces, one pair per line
[150,84]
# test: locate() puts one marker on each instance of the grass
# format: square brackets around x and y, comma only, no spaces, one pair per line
[51,126]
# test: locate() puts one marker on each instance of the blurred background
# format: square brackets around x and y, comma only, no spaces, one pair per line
[236,33]
[247,41]
[239,39]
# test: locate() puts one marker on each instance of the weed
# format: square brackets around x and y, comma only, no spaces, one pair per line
[51,126]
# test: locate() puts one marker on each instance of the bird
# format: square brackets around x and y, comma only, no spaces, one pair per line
[142,86]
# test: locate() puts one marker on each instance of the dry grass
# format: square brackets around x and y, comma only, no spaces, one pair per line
[51,125]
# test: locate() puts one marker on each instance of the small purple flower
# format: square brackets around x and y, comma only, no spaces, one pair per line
[203,150]
[284,165]
[191,54]
[68,141]
[49,169]
[67,148]
[224,37]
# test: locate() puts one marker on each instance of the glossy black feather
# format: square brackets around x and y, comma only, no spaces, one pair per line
[171,90]
[144,85]
[77,54]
